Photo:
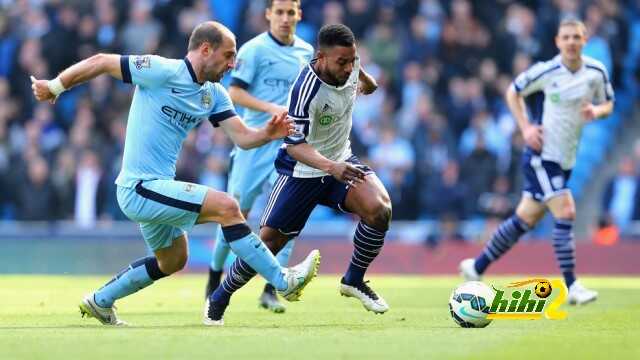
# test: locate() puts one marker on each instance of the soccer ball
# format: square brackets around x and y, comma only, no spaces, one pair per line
[469,304]
[543,289]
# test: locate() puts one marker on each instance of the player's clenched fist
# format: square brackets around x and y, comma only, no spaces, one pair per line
[279,126]
[41,90]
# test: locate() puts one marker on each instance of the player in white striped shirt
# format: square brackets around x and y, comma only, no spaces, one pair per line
[316,166]
[572,89]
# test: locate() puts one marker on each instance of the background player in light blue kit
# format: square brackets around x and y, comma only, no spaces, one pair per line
[266,67]
[172,97]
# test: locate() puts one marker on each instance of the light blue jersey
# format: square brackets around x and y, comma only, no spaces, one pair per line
[266,68]
[167,103]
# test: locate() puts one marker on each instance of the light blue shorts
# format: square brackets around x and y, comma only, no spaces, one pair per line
[165,209]
[251,171]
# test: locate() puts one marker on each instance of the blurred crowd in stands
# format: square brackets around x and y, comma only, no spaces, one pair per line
[437,131]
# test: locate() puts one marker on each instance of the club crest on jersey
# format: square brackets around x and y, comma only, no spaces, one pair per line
[206,99]
[142,62]
[326,119]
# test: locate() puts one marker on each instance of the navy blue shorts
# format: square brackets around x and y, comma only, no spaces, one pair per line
[292,199]
[543,179]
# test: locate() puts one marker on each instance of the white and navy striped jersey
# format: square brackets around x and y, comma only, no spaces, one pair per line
[322,117]
[559,97]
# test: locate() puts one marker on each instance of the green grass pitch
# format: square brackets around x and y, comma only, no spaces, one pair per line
[39,319]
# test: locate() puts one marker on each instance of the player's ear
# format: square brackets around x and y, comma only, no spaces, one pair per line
[205,48]
[267,14]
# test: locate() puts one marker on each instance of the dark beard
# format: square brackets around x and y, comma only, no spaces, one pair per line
[328,77]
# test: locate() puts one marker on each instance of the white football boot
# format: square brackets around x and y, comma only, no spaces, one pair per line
[580,295]
[299,276]
[370,300]
[468,270]
[106,316]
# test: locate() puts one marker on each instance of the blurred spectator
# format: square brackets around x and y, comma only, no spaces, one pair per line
[63,179]
[35,197]
[621,198]
[88,176]
[141,33]
[446,200]
[391,154]
[479,171]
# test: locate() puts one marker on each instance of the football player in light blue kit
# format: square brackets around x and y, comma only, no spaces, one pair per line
[172,97]
[266,68]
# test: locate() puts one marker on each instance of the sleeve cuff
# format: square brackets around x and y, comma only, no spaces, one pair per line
[124,68]
[290,141]
[239,83]
[217,118]
[516,87]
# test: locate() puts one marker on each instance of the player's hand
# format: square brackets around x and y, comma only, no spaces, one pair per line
[588,111]
[347,173]
[367,87]
[533,137]
[41,90]
[275,109]
[279,126]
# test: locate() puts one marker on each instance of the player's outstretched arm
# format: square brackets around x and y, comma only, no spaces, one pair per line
[367,83]
[243,98]
[247,137]
[532,133]
[342,171]
[78,73]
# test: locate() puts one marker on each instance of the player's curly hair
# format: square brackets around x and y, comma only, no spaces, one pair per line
[335,35]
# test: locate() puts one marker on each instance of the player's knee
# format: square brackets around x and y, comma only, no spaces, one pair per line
[229,210]
[378,215]
[567,211]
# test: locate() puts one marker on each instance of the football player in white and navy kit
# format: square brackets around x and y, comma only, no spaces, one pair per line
[266,68]
[316,166]
[573,89]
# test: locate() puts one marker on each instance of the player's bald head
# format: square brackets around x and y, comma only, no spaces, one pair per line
[212,32]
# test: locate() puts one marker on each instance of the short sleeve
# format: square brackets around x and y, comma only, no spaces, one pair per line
[223,107]
[245,69]
[604,89]
[300,105]
[533,79]
[146,70]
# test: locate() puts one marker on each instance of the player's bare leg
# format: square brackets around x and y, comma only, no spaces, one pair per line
[370,201]
[563,209]
[528,214]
